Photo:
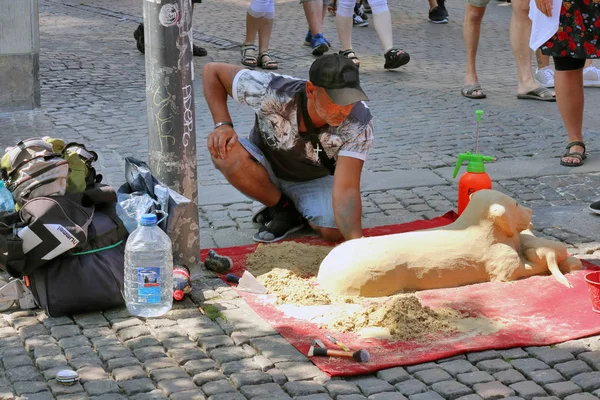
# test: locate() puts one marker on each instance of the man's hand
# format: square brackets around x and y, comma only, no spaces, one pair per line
[545,6]
[221,141]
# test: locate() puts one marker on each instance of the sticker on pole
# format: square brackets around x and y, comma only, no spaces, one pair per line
[168,15]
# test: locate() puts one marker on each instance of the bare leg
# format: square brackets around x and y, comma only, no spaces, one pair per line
[252,26]
[569,97]
[344,30]
[314,12]
[471,31]
[264,34]
[248,176]
[432,4]
[330,234]
[520,31]
[542,60]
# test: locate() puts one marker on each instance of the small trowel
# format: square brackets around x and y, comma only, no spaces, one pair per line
[247,283]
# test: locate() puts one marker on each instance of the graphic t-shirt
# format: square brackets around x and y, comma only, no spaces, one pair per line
[293,156]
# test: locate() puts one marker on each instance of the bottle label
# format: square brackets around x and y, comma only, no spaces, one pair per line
[148,285]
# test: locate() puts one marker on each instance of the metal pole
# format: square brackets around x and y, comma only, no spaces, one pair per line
[171,114]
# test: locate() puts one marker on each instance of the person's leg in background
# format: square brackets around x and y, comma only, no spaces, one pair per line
[360,17]
[544,73]
[197,50]
[315,10]
[474,13]
[264,37]
[259,20]
[437,12]
[343,24]
[568,80]
[520,31]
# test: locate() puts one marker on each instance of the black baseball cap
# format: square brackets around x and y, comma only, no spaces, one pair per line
[338,75]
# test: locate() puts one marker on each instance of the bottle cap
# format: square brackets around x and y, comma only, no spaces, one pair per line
[148,219]
[67,377]
[177,295]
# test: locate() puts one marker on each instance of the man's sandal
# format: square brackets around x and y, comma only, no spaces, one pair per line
[266,62]
[395,58]
[349,54]
[249,55]
[468,91]
[574,154]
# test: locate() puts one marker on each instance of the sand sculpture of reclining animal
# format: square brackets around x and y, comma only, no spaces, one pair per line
[490,241]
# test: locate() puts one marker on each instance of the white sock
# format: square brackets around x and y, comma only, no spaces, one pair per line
[383,26]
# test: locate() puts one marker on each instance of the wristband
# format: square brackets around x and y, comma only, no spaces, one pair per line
[218,124]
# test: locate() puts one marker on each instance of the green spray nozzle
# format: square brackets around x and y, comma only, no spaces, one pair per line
[475,162]
[479,113]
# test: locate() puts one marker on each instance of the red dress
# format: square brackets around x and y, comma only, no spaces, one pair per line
[578,31]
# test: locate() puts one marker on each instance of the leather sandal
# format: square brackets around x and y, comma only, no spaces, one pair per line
[349,54]
[395,58]
[249,55]
[266,62]
[574,154]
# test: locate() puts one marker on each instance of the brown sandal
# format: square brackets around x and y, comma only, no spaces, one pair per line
[266,62]
[249,55]
[349,54]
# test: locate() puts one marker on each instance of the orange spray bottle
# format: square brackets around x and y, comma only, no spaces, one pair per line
[475,178]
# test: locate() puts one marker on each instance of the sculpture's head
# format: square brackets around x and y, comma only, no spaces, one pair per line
[504,211]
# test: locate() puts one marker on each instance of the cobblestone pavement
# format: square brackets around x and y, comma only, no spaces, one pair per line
[93,92]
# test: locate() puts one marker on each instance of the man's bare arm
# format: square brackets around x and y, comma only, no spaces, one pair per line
[347,207]
[218,82]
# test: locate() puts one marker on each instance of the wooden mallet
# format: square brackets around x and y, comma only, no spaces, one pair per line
[361,355]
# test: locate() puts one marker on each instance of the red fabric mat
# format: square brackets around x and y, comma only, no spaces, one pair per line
[533,312]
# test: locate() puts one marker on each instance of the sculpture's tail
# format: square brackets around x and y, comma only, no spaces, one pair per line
[553,267]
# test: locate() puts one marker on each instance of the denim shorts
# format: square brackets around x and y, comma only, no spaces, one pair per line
[312,198]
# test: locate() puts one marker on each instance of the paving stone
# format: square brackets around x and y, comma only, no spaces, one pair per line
[200,329]
[250,378]
[319,396]
[303,388]
[296,371]
[22,323]
[528,390]
[592,358]
[227,354]
[509,376]
[215,387]
[148,353]
[97,332]
[29,387]
[278,376]
[581,396]
[431,376]
[57,321]
[588,381]
[33,342]
[213,342]
[153,395]
[545,376]
[136,386]
[59,389]
[168,373]
[133,332]
[351,397]
[178,343]
[52,372]
[393,375]
[188,395]
[47,350]
[128,373]
[410,387]
[387,396]
[479,356]
[411,369]
[493,390]
[74,352]
[340,387]
[17,361]
[64,331]
[235,366]
[23,374]
[168,332]
[110,352]
[74,396]
[472,378]
[514,353]
[33,330]
[184,355]
[451,390]
[171,386]
[194,367]
[119,324]
[228,396]
[85,361]
[74,341]
[552,356]
[105,341]
[430,395]
[142,341]
[562,389]
[369,385]
[277,349]
[91,374]
[90,320]
[109,396]
[96,388]
[160,322]
[159,363]
[456,367]
[50,362]
[122,362]
[493,366]
[39,396]
[572,368]
[208,376]
[526,365]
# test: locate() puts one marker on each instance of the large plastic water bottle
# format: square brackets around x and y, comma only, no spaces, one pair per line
[148,270]
[7,203]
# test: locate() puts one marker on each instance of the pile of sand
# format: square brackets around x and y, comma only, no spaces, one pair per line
[288,271]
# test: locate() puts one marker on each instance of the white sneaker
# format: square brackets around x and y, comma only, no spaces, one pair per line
[545,76]
[591,76]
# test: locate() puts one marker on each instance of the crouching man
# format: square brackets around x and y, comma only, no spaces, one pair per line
[303,158]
